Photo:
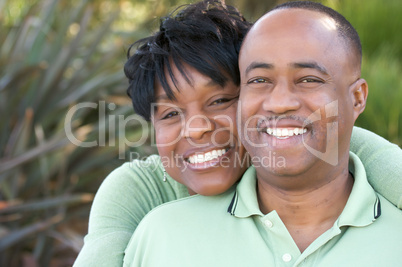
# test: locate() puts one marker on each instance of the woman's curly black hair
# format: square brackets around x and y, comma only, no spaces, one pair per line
[206,35]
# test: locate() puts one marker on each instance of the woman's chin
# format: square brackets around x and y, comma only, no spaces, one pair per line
[209,190]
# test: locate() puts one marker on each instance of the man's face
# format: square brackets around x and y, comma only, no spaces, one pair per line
[297,92]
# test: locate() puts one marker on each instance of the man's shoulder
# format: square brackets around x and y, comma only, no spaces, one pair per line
[387,226]
[390,213]
[192,210]
[195,204]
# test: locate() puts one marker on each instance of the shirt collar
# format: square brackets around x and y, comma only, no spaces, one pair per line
[245,202]
[362,207]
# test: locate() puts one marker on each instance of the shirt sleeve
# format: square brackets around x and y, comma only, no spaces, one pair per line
[382,161]
[121,202]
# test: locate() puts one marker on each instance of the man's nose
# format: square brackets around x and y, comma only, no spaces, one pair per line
[281,99]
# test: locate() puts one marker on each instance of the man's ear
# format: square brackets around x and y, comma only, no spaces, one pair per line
[359,93]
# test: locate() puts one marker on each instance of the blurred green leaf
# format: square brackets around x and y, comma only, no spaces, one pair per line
[21,234]
[47,203]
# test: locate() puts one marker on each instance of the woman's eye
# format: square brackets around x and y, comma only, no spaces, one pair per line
[170,115]
[220,101]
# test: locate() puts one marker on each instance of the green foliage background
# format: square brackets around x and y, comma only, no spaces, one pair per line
[55,54]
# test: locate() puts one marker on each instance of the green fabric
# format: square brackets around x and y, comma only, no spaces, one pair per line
[121,202]
[383,163]
[199,231]
[133,189]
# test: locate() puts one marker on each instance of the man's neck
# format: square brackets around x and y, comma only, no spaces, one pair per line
[307,213]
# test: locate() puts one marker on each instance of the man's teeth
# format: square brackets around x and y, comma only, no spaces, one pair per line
[200,158]
[285,132]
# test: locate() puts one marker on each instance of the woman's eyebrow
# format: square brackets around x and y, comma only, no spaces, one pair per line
[165,98]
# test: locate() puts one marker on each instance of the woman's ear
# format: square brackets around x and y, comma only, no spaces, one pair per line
[359,93]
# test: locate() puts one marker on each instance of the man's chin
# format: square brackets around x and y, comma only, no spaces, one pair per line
[285,165]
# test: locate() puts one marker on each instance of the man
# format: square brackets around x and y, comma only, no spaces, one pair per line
[301,94]
[305,62]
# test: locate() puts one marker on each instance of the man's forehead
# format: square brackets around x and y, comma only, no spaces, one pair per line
[294,36]
[294,18]
[295,27]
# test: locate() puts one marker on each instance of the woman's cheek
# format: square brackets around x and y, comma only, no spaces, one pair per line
[167,141]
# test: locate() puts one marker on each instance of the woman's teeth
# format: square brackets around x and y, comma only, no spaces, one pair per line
[283,133]
[201,158]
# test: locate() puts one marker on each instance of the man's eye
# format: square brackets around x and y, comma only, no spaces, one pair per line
[310,80]
[170,115]
[258,80]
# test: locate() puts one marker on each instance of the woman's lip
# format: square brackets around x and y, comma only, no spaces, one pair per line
[194,152]
[207,164]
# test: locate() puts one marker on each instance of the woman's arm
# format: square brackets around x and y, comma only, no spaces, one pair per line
[383,163]
[121,202]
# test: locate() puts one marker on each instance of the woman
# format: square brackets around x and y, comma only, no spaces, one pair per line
[185,79]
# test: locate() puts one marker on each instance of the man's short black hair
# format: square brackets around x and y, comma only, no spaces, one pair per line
[345,29]
[206,35]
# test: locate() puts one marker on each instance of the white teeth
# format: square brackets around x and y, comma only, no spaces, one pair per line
[285,132]
[200,158]
[291,132]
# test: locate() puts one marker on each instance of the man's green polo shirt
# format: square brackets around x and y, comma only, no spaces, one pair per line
[230,230]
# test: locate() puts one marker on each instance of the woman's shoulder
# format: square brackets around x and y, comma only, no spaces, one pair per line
[142,176]
[138,169]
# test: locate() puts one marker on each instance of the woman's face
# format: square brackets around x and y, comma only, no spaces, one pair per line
[196,133]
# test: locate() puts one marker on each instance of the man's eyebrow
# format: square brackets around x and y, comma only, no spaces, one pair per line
[259,65]
[310,65]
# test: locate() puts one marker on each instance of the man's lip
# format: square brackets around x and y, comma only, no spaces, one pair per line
[282,123]
[285,142]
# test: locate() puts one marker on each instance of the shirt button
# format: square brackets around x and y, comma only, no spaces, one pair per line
[268,223]
[286,257]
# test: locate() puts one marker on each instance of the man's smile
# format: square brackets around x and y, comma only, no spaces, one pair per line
[284,133]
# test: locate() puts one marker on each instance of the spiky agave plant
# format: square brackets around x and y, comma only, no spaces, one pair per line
[59,64]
